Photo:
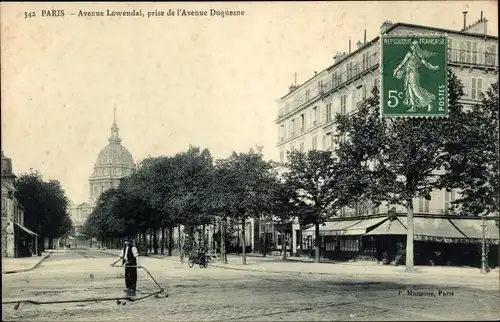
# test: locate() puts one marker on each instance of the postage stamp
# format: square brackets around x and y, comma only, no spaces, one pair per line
[414,76]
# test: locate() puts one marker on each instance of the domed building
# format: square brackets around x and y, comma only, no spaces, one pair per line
[113,163]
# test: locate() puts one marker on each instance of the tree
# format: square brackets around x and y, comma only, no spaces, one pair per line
[472,157]
[316,177]
[106,221]
[245,193]
[282,206]
[45,206]
[407,154]
[190,197]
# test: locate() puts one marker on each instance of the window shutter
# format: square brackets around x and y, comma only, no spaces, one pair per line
[473,89]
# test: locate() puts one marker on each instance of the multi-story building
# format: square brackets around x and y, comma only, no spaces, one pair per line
[306,113]
[17,240]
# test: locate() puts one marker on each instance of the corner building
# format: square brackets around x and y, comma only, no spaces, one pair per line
[306,112]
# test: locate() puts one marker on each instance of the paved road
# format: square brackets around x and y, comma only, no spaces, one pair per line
[218,294]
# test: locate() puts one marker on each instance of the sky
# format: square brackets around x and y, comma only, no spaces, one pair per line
[211,82]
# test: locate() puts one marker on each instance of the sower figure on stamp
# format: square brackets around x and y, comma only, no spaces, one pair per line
[130,258]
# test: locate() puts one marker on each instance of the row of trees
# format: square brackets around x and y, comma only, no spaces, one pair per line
[376,160]
[45,207]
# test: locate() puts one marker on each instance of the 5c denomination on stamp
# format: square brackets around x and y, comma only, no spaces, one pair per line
[414,80]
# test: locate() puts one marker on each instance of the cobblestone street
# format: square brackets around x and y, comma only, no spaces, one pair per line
[220,294]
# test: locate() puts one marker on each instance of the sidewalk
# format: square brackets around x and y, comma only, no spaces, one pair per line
[22,264]
[362,270]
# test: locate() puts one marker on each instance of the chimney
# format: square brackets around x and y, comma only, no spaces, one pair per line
[386,25]
[349,46]
[315,73]
[292,88]
[359,44]
[465,19]
[364,41]
[481,16]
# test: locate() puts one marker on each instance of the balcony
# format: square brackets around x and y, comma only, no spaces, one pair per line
[469,58]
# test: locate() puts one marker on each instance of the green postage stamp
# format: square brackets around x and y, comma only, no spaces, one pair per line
[414,80]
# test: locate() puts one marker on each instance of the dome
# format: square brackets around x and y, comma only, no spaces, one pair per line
[114,154]
[113,162]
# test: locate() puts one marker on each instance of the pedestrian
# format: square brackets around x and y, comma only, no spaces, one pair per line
[130,258]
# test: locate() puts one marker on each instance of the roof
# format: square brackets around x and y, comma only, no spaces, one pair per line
[392,27]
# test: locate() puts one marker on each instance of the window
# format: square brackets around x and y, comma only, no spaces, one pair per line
[287,108]
[330,246]
[476,88]
[365,64]
[336,79]
[426,206]
[421,205]
[349,245]
[363,92]
[328,141]
[328,112]
[320,86]
[301,147]
[282,132]
[451,53]
[307,94]
[325,145]
[376,82]
[468,51]
[490,55]
[449,197]
[315,115]
[474,53]
[302,122]
[282,157]
[461,57]
[349,70]
[343,103]
[314,143]
[292,127]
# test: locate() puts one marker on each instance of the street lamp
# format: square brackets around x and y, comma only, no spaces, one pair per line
[484,263]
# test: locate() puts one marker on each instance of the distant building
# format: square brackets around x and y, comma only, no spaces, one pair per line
[17,240]
[114,162]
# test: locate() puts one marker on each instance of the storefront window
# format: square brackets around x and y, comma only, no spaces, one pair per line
[349,245]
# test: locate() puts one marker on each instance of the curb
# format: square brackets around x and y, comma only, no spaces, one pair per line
[44,257]
[294,273]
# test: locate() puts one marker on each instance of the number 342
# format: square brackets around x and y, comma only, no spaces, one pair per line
[29,14]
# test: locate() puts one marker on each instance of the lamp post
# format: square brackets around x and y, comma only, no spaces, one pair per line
[484,263]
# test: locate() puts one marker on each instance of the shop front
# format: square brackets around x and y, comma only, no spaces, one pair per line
[438,240]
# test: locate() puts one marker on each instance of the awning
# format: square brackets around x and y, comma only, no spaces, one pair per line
[361,227]
[333,227]
[27,230]
[472,228]
[389,227]
[433,227]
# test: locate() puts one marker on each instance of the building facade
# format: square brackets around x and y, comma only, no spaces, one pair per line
[114,162]
[306,113]
[16,239]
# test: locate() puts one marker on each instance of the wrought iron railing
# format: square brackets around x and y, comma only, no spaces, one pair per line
[473,58]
